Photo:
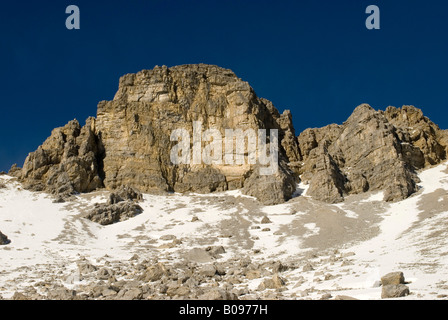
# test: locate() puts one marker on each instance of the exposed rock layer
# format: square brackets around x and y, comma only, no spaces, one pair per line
[128,143]
[372,150]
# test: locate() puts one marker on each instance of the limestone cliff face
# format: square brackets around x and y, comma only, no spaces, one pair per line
[372,150]
[129,143]
[68,161]
[135,127]
[131,135]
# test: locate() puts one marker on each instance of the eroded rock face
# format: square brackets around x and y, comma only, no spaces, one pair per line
[104,213]
[372,150]
[129,142]
[135,127]
[68,161]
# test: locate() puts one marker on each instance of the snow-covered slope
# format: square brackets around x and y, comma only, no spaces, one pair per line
[349,245]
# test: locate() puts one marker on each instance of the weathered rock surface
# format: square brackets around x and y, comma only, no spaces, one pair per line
[125,193]
[394,291]
[105,213]
[393,278]
[155,272]
[4,239]
[276,282]
[121,205]
[372,150]
[393,285]
[128,144]
[151,103]
[69,161]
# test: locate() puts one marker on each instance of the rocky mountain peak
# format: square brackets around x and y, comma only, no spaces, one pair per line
[130,143]
[372,150]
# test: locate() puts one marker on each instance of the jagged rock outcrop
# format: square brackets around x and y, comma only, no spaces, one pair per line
[129,142]
[372,150]
[121,205]
[105,213]
[4,239]
[68,161]
[151,103]
[271,189]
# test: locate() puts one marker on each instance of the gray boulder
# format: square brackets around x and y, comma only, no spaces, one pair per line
[393,278]
[372,150]
[394,291]
[4,239]
[105,213]
[393,285]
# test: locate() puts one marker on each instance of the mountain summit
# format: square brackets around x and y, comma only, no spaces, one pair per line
[130,143]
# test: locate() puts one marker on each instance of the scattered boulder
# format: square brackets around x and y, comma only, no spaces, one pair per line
[394,291]
[4,239]
[215,251]
[104,273]
[308,267]
[265,220]
[106,213]
[177,290]
[130,294]
[167,237]
[279,267]
[85,267]
[393,278]
[208,270]
[125,193]
[253,274]
[393,285]
[276,282]
[155,272]
[326,296]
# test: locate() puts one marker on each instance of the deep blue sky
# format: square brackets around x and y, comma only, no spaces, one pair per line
[315,57]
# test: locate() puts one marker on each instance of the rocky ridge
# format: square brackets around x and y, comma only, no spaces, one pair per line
[128,143]
[372,150]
